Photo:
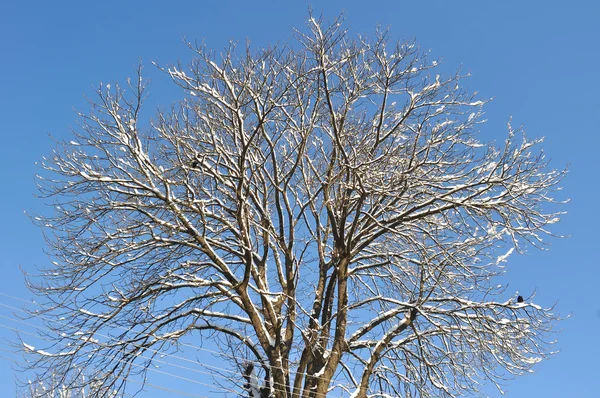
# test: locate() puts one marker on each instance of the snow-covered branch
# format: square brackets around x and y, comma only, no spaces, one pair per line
[329,208]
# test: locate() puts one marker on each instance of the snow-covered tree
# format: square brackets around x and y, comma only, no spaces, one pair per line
[74,386]
[327,206]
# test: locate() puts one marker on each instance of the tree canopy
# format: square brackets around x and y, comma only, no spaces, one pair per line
[322,209]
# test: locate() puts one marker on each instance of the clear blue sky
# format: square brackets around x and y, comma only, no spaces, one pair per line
[538,59]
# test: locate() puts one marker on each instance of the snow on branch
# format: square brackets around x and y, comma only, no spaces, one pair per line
[322,214]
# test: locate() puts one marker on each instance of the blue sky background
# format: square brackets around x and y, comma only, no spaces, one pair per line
[539,60]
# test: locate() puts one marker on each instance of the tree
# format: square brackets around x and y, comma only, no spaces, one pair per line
[327,206]
[59,387]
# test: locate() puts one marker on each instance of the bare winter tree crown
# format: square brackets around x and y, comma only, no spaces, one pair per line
[322,212]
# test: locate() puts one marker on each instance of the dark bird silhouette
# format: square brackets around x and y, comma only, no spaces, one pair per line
[197,161]
[520,299]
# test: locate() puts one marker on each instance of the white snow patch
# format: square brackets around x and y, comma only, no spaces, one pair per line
[28,347]
[502,259]
[320,373]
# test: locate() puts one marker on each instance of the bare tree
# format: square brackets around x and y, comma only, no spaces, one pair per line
[56,386]
[326,205]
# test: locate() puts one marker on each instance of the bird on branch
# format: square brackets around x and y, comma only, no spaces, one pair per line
[198,159]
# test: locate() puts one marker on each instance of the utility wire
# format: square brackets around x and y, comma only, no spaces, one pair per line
[144,383]
[119,360]
[99,334]
[212,374]
[19,331]
[221,354]
[149,349]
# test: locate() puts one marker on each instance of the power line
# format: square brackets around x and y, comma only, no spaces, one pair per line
[20,331]
[114,357]
[212,374]
[123,328]
[142,356]
[102,335]
[144,383]
[149,349]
